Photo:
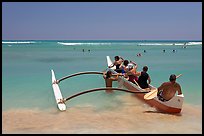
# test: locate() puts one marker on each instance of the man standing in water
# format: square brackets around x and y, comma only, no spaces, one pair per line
[168,89]
[109,79]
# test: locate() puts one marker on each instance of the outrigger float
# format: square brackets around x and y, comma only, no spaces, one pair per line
[174,105]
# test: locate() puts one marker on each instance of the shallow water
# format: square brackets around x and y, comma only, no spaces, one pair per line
[130,117]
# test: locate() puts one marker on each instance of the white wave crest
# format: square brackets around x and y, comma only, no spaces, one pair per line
[155,44]
[187,43]
[64,43]
[17,42]
[194,43]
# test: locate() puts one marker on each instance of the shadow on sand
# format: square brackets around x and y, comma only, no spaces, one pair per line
[176,114]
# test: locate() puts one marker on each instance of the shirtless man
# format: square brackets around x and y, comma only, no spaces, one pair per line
[109,79]
[118,63]
[168,89]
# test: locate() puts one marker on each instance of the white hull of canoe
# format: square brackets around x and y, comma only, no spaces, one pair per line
[172,106]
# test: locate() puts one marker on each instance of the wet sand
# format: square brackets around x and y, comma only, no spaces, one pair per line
[131,117]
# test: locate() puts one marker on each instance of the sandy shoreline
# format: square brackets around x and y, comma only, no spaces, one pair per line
[131,118]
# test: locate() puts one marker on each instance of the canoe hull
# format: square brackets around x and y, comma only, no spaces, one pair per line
[172,106]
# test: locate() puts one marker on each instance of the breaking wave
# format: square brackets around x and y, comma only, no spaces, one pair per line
[194,43]
[98,43]
[85,43]
[17,42]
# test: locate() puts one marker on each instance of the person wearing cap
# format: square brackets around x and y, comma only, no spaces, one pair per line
[125,66]
[132,72]
[167,90]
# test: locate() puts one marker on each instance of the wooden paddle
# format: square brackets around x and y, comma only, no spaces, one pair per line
[137,84]
[153,93]
[178,75]
[150,95]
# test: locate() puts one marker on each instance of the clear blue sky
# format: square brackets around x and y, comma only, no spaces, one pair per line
[102,20]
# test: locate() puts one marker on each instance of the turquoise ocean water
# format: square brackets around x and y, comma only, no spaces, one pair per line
[26,65]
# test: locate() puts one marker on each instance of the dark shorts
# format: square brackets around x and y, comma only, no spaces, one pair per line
[119,70]
[159,95]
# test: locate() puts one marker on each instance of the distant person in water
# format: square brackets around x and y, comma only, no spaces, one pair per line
[184,45]
[167,90]
[164,50]
[109,79]
[139,54]
[173,50]
[118,63]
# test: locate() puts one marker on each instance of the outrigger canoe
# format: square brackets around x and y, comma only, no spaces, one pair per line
[174,105]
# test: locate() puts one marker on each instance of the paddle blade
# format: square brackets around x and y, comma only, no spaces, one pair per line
[150,95]
[178,75]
